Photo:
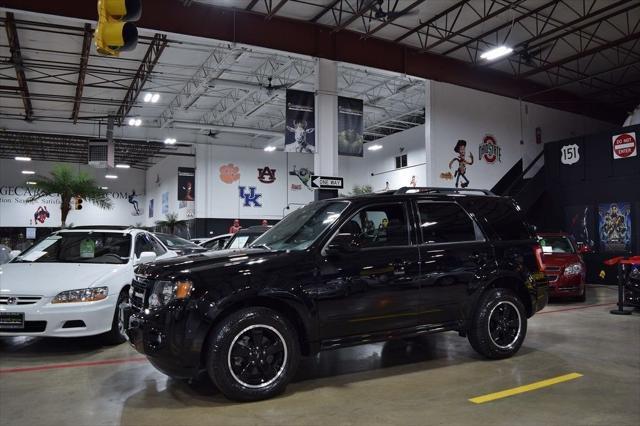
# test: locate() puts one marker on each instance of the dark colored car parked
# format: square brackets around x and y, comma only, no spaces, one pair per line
[342,272]
[245,237]
[179,245]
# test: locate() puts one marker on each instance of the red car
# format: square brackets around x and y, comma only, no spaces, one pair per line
[563,265]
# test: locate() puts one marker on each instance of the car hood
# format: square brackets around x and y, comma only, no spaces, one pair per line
[560,259]
[49,279]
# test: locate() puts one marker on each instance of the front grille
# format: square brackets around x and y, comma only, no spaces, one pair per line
[29,327]
[139,295]
[19,300]
[552,278]
[552,268]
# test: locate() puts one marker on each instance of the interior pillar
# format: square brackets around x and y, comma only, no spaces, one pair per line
[326,116]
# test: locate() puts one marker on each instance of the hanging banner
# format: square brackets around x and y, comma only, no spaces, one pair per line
[350,126]
[614,226]
[300,122]
[186,183]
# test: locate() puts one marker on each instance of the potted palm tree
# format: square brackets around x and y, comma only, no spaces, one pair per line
[66,183]
[170,223]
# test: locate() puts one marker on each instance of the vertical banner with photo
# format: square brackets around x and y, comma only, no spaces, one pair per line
[350,126]
[151,208]
[300,124]
[614,227]
[579,223]
[165,202]
[186,183]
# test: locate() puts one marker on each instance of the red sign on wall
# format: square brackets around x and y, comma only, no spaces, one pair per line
[624,145]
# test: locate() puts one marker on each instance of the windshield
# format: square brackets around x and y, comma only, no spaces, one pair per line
[240,241]
[80,247]
[173,241]
[300,229]
[556,245]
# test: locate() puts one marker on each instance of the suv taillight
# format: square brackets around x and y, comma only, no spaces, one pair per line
[537,250]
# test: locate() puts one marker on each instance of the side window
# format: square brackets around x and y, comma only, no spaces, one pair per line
[378,226]
[143,244]
[446,223]
[158,248]
[502,218]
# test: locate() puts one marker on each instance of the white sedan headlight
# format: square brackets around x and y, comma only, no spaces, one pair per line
[573,269]
[82,295]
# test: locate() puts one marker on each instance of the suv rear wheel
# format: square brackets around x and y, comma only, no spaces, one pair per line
[252,354]
[499,325]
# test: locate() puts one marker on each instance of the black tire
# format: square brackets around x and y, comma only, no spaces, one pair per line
[116,335]
[252,354]
[494,333]
[583,296]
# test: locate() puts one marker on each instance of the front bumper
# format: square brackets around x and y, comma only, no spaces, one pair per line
[567,286]
[49,320]
[538,286]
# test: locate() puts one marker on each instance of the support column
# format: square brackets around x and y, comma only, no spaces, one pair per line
[431,179]
[326,116]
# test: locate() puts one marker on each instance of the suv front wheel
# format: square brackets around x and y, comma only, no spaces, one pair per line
[252,354]
[499,325]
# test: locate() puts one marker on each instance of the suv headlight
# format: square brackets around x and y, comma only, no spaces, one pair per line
[573,269]
[166,291]
[82,295]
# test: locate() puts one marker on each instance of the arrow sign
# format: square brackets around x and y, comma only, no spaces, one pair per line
[327,182]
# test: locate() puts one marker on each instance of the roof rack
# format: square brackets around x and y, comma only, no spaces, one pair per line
[437,190]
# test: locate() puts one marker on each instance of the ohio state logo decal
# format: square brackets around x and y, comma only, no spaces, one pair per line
[489,150]
[267,175]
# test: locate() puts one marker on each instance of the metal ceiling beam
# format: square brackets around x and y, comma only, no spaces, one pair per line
[275,9]
[400,14]
[305,38]
[364,8]
[252,4]
[16,59]
[147,64]
[324,11]
[456,7]
[82,71]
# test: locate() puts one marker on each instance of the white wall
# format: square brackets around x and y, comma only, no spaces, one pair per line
[14,211]
[163,178]
[461,113]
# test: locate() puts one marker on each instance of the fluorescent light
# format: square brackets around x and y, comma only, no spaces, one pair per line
[123,166]
[270,148]
[104,187]
[374,147]
[28,172]
[138,122]
[155,98]
[23,158]
[111,176]
[134,122]
[496,53]
[170,141]
[147,97]
[30,182]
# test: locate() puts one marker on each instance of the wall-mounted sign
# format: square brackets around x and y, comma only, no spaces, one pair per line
[624,145]
[327,182]
[229,173]
[303,174]
[267,175]
[489,150]
[300,122]
[250,197]
[570,154]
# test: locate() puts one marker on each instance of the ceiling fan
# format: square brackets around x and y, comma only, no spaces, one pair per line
[389,15]
[270,88]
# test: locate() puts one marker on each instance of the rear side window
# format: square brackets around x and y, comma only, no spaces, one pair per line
[502,218]
[446,223]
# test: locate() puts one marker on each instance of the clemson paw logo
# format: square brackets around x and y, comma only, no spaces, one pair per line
[229,173]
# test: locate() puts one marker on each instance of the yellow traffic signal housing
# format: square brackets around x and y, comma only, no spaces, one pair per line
[115,32]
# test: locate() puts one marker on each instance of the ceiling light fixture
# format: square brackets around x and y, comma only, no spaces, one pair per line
[147,97]
[496,53]
[170,141]
[30,182]
[155,98]
[111,176]
[104,188]
[270,148]
[28,172]
[374,147]
[23,158]
[123,166]
[135,122]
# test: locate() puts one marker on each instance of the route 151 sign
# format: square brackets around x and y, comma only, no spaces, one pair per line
[570,154]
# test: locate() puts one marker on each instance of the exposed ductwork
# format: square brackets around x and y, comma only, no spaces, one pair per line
[229,129]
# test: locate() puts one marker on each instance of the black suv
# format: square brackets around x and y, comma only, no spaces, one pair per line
[341,272]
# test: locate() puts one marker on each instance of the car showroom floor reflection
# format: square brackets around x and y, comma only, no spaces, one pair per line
[429,378]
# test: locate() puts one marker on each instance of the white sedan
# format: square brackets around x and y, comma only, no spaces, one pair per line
[71,283]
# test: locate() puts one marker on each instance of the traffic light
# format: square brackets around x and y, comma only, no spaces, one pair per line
[78,203]
[115,32]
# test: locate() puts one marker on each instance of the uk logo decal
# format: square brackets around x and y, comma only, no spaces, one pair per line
[267,175]
[251,198]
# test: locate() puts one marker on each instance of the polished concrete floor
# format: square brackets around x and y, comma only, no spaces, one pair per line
[418,382]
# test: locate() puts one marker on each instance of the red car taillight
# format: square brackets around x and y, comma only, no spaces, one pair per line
[537,250]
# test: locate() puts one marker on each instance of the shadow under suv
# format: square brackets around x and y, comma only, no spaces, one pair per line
[342,272]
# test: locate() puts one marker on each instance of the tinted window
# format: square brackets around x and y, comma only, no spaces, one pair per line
[445,223]
[375,226]
[143,243]
[80,247]
[502,218]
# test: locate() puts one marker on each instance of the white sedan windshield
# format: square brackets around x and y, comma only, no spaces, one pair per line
[80,247]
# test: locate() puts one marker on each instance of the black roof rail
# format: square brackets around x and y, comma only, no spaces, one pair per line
[436,190]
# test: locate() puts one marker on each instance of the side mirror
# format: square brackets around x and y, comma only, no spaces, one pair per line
[341,244]
[584,249]
[146,257]
[13,254]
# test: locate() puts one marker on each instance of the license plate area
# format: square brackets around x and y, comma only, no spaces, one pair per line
[12,320]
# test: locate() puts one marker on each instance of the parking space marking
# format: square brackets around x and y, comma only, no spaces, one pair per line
[71,365]
[525,388]
[577,307]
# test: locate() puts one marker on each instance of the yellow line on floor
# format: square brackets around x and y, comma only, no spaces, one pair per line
[525,388]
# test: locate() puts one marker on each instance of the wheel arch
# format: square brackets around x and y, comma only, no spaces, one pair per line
[517,286]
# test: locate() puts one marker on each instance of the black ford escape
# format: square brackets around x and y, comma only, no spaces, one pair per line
[341,272]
